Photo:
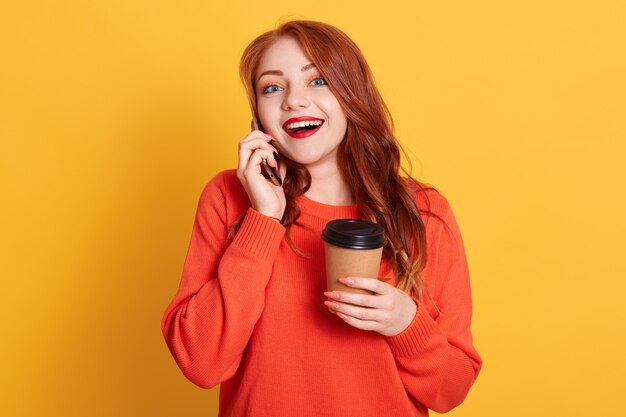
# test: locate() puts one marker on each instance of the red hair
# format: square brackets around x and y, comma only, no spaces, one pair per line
[369,155]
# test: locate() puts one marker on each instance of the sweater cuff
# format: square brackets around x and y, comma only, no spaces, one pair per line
[414,338]
[259,234]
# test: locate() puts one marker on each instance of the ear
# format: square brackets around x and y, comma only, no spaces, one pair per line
[254,125]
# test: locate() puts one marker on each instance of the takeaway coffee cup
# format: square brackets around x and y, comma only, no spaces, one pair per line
[352,248]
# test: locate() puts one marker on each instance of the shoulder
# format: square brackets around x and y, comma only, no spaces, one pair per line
[429,201]
[222,179]
[442,230]
[222,184]
[438,217]
[225,193]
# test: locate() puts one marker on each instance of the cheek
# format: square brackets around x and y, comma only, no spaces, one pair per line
[333,109]
[265,116]
[339,121]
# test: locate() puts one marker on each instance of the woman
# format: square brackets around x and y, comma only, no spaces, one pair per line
[252,313]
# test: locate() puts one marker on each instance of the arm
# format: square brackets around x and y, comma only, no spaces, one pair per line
[435,356]
[432,348]
[221,295]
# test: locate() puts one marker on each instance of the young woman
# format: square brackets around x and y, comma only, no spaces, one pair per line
[252,312]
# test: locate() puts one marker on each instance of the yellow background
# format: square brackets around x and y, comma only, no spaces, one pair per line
[114,114]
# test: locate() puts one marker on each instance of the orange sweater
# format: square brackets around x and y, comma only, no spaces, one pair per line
[250,316]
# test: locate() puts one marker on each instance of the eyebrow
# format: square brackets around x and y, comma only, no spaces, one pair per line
[277,72]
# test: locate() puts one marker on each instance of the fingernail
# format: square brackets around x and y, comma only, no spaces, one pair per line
[346,280]
[331,294]
[331,304]
[343,316]
[268,136]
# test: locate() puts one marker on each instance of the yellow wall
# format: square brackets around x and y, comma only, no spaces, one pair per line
[114,114]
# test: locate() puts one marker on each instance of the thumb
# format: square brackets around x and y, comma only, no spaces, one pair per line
[282,169]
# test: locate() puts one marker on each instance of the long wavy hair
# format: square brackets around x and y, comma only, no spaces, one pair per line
[369,155]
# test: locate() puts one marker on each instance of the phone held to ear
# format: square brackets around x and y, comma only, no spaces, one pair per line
[268,172]
[271,174]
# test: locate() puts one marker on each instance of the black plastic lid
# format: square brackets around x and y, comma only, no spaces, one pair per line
[354,234]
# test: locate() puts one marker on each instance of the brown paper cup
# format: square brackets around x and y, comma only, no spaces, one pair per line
[352,247]
[343,262]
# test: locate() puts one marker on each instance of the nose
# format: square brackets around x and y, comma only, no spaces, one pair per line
[295,98]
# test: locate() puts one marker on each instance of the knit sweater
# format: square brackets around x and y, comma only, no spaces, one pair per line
[249,314]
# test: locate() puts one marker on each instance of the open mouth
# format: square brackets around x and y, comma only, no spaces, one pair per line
[302,128]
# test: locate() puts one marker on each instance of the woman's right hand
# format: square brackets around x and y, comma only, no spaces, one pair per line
[266,198]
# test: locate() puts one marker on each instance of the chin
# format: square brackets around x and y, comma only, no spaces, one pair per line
[310,160]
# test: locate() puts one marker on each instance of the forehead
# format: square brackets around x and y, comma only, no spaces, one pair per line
[285,54]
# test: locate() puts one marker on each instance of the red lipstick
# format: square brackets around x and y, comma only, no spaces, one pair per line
[302,132]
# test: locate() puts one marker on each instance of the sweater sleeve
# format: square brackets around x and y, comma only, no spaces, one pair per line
[435,355]
[222,290]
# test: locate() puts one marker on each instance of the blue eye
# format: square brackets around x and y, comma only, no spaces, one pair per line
[271,89]
[319,81]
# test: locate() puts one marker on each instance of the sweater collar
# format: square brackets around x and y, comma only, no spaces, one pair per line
[326,211]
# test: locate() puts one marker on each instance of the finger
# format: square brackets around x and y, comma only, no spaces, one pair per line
[361,313]
[254,136]
[256,142]
[256,159]
[254,133]
[364,300]
[372,284]
[282,171]
[247,147]
[258,170]
[273,162]
[360,324]
[258,134]
[269,172]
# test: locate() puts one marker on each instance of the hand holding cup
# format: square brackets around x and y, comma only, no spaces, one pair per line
[353,250]
[386,310]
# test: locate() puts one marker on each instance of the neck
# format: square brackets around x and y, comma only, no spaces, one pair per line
[328,186]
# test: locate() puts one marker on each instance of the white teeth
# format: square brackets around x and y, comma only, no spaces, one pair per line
[303,124]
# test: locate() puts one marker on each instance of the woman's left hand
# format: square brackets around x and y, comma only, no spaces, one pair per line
[388,311]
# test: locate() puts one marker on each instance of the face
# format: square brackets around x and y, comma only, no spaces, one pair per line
[296,106]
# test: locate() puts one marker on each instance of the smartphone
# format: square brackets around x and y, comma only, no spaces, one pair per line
[270,173]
